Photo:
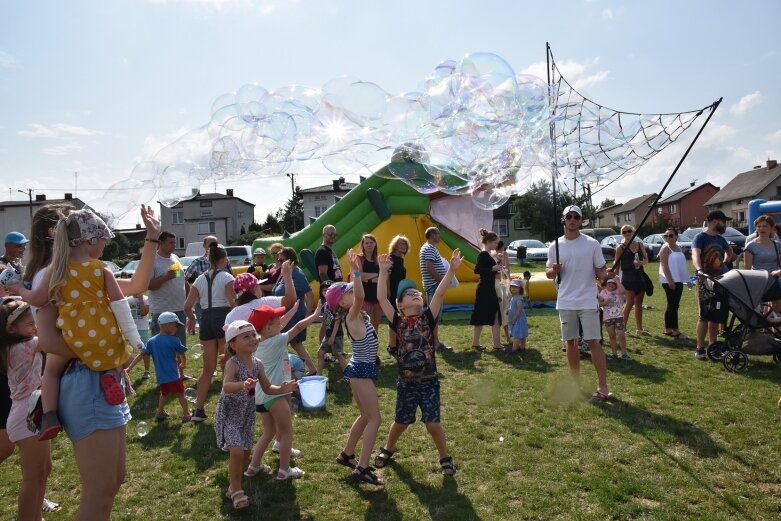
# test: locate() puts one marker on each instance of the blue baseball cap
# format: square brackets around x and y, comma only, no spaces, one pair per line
[404,285]
[15,238]
[167,317]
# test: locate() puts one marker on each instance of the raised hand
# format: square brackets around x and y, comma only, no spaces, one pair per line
[455,260]
[355,261]
[151,222]
[384,262]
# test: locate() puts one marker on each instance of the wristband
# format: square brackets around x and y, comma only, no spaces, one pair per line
[152,240]
[356,274]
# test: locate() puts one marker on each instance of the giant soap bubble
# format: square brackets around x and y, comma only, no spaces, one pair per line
[472,128]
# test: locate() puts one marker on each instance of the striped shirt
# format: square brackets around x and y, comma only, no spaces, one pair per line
[365,349]
[428,252]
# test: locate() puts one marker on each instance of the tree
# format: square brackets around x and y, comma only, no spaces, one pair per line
[291,217]
[271,226]
[607,203]
[535,210]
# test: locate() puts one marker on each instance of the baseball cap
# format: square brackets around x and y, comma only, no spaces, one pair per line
[15,238]
[516,282]
[335,293]
[260,316]
[244,283]
[572,208]
[404,285]
[236,328]
[167,317]
[259,251]
[718,214]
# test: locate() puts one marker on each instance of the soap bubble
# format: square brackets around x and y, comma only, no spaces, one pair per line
[190,394]
[142,429]
[473,127]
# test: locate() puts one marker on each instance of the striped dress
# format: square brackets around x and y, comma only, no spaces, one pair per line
[362,363]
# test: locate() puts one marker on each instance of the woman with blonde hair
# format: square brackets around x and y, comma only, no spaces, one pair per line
[630,266]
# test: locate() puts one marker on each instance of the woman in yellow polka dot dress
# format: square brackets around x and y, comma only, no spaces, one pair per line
[91,308]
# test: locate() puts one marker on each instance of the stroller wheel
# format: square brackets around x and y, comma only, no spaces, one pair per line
[735,339]
[717,350]
[735,361]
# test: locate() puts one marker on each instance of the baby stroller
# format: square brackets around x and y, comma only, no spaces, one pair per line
[748,330]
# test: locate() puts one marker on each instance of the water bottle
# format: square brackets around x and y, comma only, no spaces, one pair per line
[637,260]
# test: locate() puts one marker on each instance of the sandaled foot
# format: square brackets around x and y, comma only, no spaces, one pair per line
[367,475]
[290,473]
[253,471]
[294,453]
[50,506]
[643,332]
[50,426]
[478,348]
[446,464]
[348,460]
[383,457]
[239,498]
[112,389]
[679,336]
[599,396]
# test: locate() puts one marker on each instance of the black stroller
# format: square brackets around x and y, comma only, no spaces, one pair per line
[748,330]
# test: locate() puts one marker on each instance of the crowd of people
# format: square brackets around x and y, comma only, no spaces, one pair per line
[66,304]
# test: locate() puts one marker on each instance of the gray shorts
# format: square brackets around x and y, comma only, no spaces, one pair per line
[337,348]
[571,319]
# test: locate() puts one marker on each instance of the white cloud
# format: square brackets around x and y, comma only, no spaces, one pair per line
[58,131]
[716,134]
[607,14]
[774,137]
[264,7]
[62,150]
[7,60]
[745,103]
[575,73]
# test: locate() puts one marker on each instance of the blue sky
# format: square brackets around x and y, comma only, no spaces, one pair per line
[94,87]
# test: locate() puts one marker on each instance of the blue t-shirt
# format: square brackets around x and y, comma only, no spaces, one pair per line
[163,350]
[712,248]
[302,288]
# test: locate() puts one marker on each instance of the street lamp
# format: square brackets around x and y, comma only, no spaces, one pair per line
[29,193]
[293,192]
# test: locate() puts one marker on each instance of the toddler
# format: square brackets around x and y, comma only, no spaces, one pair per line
[611,300]
[516,318]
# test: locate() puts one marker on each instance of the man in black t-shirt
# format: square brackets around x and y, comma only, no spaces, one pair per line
[327,263]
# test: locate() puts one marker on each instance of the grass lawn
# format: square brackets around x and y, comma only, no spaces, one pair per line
[682,439]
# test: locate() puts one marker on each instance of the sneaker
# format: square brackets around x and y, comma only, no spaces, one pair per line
[198,415]
[330,359]
[145,376]
[294,453]
[626,357]
[612,358]
[699,354]
[444,347]
[161,417]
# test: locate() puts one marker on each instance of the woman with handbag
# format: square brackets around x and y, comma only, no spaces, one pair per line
[763,253]
[673,274]
[631,258]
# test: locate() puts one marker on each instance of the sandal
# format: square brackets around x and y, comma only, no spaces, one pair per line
[112,390]
[599,396]
[383,457]
[367,475]
[344,459]
[253,471]
[239,498]
[446,464]
[50,506]
[478,348]
[679,336]
[290,473]
[643,332]
[50,426]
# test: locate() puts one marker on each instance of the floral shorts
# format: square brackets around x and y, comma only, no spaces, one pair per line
[617,323]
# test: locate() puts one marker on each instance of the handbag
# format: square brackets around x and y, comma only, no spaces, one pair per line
[647,282]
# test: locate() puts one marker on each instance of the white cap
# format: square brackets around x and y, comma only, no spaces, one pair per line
[571,208]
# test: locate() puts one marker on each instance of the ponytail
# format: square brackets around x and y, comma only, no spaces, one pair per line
[58,269]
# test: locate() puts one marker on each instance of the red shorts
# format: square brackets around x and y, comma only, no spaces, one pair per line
[175,387]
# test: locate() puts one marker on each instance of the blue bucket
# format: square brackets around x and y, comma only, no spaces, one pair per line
[312,389]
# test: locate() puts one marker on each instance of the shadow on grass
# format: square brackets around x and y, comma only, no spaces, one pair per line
[761,368]
[646,423]
[381,505]
[639,370]
[528,359]
[444,502]
[269,499]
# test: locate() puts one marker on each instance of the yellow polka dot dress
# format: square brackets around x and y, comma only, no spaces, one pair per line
[86,321]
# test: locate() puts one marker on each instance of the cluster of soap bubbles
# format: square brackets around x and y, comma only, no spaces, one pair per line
[474,127]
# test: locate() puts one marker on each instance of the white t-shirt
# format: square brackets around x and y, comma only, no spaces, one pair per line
[242,312]
[219,300]
[579,258]
[142,321]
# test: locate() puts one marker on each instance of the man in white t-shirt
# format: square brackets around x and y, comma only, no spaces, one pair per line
[577,265]
[166,287]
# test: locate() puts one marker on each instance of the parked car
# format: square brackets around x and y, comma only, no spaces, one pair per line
[512,249]
[127,271]
[653,244]
[609,245]
[239,255]
[113,267]
[186,261]
[598,233]
[535,251]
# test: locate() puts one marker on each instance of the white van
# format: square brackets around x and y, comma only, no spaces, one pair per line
[194,249]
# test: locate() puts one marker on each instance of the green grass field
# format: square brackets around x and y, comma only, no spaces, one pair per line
[682,439]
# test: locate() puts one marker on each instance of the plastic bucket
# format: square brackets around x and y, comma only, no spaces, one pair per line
[312,389]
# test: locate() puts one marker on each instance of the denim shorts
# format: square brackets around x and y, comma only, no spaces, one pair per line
[411,395]
[83,408]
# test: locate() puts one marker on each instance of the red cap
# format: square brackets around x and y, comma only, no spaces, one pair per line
[260,316]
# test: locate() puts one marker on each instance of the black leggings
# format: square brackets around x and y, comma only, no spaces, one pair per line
[673,301]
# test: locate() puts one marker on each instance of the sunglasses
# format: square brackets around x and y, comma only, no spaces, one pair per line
[412,293]
[572,217]
[627,232]
[669,236]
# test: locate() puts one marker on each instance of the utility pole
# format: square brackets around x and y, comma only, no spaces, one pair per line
[29,193]
[293,192]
